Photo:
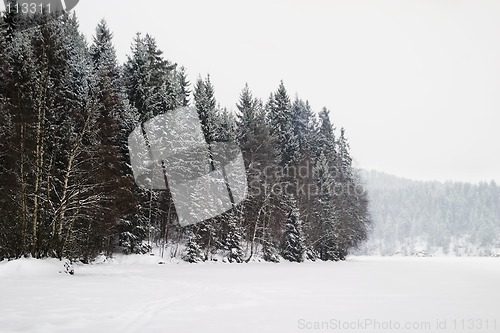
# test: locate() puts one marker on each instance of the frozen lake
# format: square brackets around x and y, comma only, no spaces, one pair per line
[363,294]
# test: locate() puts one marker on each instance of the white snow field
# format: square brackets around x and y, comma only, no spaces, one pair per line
[362,294]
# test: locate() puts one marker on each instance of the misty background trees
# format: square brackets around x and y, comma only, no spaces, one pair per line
[432,218]
[66,186]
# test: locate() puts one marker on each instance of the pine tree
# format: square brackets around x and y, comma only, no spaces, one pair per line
[193,249]
[259,154]
[305,127]
[344,160]
[205,103]
[279,113]
[324,231]
[352,204]
[247,108]
[280,117]
[254,132]
[269,250]
[326,136]
[150,80]
[293,245]
[184,91]
[226,130]
[117,119]
[234,236]
[306,130]
[153,88]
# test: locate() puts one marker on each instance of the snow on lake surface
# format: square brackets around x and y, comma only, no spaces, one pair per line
[363,294]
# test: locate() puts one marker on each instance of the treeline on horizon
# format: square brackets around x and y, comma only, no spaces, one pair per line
[67,189]
[432,218]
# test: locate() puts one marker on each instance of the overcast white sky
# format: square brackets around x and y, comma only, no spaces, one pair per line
[415,83]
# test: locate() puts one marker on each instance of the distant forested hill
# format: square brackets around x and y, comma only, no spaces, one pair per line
[431,218]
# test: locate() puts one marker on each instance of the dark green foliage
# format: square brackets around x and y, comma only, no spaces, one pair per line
[52,112]
[184,90]
[270,252]
[234,237]
[193,250]
[66,111]
[293,247]
[204,100]
[116,120]
[150,80]
[280,114]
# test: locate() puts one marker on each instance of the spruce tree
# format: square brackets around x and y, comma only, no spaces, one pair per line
[269,249]
[259,154]
[293,244]
[234,236]
[193,250]
[352,205]
[280,118]
[153,88]
[247,108]
[325,230]
[226,130]
[116,120]
[305,127]
[184,90]
[205,103]
[150,80]
[326,136]
[279,113]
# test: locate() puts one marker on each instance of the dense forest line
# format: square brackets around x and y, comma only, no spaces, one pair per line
[66,185]
[432,218]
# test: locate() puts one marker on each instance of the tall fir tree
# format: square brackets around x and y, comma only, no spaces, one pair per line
[184,93]
[194,252]
[206,106]
[326,136]
[260,154]
[234,236]
[305,127]
[306,130]
[293,244]
[205,103]
[153,88]
[116,120]
[150,80]
[353,221]
[280,117]
[324,231]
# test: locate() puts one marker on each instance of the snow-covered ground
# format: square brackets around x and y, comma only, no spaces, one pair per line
[363,294]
